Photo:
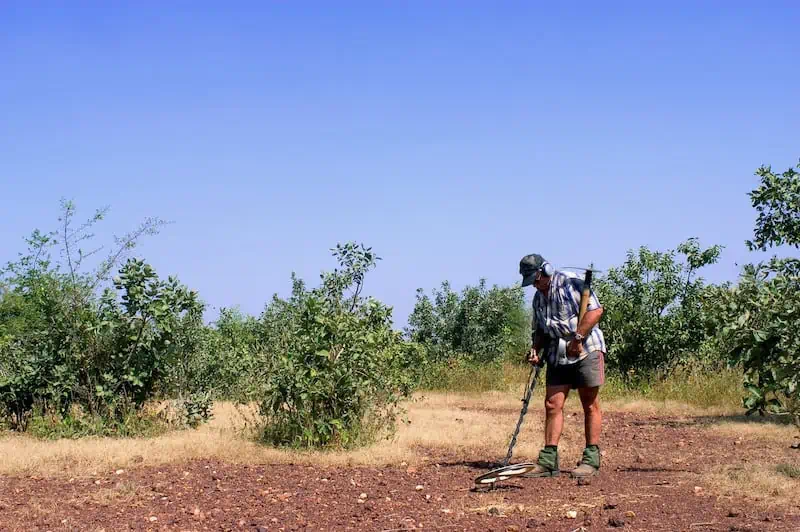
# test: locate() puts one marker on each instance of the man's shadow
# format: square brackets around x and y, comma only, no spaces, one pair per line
[473,464]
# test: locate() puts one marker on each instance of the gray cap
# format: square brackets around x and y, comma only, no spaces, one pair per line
[528,266]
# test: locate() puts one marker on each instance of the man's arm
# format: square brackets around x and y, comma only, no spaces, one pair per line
[537,339]
[590,319]
[594,312]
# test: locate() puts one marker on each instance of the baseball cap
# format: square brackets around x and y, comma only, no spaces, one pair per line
[528,266]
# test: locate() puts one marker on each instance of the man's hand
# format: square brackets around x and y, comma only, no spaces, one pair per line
[533,356]
[574,348]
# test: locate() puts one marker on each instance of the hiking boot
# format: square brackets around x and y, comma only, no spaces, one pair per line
[541,471]
[589,465]
[546,465]
[583,470]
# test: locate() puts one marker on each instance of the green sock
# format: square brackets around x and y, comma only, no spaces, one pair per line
[548,456]
[591,455]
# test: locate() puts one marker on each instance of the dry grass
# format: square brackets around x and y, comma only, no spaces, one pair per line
[458,422]
[755,429]
[125,491]
[702,388]
[469,425]
[765,484]
[667,407]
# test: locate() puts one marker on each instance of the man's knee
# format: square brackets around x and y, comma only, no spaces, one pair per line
[592,408]
[590,399]
[554,402]
[552,405]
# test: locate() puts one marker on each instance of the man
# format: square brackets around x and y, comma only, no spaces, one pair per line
[556,304]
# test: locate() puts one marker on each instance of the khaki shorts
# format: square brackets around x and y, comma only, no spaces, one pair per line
[588,373]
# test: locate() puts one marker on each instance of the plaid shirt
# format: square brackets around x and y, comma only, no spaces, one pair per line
[557,314]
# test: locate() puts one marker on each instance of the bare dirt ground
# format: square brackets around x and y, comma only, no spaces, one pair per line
[661,471]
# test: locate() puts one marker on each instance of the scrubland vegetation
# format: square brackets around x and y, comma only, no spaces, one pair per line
[95,342]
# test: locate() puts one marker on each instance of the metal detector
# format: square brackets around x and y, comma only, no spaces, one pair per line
[507,471]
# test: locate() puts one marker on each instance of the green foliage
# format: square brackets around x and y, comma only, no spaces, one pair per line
[339,370]
[761,315]
[77,424]
[140,332]
[232,353]
[467,376]
[70,339]
[482,324]
[777,201]
[689,384]
[653,304]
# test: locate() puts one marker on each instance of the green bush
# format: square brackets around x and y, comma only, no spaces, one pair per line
[760,317]
[338,369]
[482,324]
[654,317]
[229,354]
[82,340]
[467,376]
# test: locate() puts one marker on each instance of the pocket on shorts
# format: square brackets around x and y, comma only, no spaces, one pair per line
[593,369]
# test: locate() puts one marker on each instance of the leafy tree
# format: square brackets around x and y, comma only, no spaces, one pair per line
[777,201]
[762,314]
[66,340]
[227,356]
[146,335]
[338,369]
[653,315]
[482,324]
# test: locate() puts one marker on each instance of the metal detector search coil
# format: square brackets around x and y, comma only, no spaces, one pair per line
[504,473]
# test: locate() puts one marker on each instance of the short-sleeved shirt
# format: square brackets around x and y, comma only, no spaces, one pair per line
[557,314]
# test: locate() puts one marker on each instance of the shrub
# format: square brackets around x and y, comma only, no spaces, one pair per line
[654,317]
[482,324]
[760,317]
[762,323]
[229,354]
[66,343]
[339,370]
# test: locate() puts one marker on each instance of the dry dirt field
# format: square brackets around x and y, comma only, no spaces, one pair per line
[665,467]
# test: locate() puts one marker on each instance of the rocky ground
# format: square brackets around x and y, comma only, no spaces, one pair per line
[654,477]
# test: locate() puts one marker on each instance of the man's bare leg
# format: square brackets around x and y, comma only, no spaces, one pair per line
[547,463]
[590,461]
[555,396]
[593,417]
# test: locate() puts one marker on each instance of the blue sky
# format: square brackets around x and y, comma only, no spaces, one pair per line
[270,131]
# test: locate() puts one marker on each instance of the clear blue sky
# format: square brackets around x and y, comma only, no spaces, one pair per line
[269,131]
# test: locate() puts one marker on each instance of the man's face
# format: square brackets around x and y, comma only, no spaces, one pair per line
[541,281]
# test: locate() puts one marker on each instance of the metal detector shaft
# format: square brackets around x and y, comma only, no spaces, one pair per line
[531,383]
